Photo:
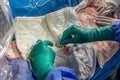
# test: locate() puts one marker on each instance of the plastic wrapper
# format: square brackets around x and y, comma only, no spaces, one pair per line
[20,69]
[15,69]
[81,58]
[6,29]
[5,70]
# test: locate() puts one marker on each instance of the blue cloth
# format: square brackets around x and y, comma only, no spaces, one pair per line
[20,70]
[62,73]
[39,7]
[116,28]
[118,75]
[108,69]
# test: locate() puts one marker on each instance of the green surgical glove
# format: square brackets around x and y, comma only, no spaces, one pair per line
[42,58]
[76,34]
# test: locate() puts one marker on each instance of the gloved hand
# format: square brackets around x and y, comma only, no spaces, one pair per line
[42,58]
[103,20]
[109,7]
[76,34]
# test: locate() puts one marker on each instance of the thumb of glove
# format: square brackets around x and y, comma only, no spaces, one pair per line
[48,43]
[45,42]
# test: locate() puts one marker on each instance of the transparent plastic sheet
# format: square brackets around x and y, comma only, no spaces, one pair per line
[5,70]
[6,29]
[6,32]
[20,69]
[81,58]
[15,69]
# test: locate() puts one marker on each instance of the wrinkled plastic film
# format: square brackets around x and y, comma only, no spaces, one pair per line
[5,70]
[6,30]
[14,69]
[79,57]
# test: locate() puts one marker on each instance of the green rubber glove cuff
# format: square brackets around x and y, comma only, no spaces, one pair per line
[101,34]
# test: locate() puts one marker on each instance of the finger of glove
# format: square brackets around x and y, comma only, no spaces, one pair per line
[42,44]
[68,33]
[38,43]
[35,48]
[67,41]
[66,36]
[48,43]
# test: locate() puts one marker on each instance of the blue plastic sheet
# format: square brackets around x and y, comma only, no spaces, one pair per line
[118,75]
[62,73]
[116,28]
[39,7]
[108,69]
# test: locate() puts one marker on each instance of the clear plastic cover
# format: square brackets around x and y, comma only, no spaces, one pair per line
[6,30]
[5,70]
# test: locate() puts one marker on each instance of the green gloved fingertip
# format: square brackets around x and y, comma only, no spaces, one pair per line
[67,34]
[45,42]
[48,43]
